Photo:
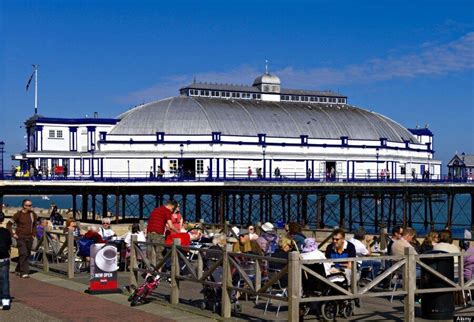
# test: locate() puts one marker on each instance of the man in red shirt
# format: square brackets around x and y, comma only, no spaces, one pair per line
[156,230]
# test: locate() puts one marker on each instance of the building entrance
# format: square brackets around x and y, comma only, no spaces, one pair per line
[187,168]
[330,170]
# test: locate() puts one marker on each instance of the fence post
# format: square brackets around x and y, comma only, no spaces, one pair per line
[409,284]
[70,254]
[199,265]
[174,298]
[133,261]
[45,250]
[294,286]
[226,282]
[226,227]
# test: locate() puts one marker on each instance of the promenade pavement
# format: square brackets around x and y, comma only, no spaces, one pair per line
[53,297]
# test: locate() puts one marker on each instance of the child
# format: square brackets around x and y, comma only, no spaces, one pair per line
[5,244]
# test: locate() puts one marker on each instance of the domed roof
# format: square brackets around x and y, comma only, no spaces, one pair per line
[199,115]
[266,78]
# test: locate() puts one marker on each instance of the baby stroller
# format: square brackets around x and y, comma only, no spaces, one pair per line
[139,295]
[312,286]
[212,293]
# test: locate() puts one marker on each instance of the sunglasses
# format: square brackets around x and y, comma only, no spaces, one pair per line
[336,239]
[27,205]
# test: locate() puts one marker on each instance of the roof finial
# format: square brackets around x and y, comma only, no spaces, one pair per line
[194,80]
[266,66]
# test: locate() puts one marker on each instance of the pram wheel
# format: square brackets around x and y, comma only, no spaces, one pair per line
[237,307]
[136,301]
[203,305]
[348,309]
[329,310]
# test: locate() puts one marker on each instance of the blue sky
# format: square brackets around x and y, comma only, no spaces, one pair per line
[412,61]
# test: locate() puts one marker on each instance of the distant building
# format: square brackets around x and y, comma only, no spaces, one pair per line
[461,166]
[218,131]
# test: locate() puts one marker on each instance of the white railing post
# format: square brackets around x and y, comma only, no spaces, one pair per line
[409,284]
[294,286]
[70,254]
[133,261]
[45,250]
[226,282]
[174,298]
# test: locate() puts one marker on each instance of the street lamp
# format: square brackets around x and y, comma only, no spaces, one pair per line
[2,147]
[377,157]
[264,149]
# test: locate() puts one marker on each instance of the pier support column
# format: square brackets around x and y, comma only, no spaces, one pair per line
[298,208]
[283,209]
[376,213]
[84,206]
[198,207]
[288,207]
[249,219]
[74,206]
[221,208]
[124,206]
[94,208]
[242,196]
[105,207]
[234,208]
[269,207]
[304,208]
[410,218]
[320,211]
[117,207]
[451,197]
[361,211]
[183,205]
[430,205]
[425,208]
[141,202]
[342,209]
[350,212]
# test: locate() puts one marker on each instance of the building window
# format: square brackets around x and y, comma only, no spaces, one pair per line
[59,134]
[173,166]
[52,134]
[199,166]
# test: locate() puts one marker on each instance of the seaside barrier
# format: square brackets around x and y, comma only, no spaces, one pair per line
[253,283]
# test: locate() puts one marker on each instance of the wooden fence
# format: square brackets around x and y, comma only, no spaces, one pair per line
[253,283]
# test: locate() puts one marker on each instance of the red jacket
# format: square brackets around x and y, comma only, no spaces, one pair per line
[158,218]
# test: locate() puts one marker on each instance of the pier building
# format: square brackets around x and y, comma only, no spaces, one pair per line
[222,131]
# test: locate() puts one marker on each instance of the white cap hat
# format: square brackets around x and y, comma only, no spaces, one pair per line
[236,230]
[266,227]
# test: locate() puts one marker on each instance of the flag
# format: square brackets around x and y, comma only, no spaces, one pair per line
[29,81]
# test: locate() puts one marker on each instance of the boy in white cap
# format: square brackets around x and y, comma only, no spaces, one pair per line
[268,240]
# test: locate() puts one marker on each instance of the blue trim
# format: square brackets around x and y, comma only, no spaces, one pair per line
[54,120]
[421,132]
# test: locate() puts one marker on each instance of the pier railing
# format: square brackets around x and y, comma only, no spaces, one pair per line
[253,278]
[55,248]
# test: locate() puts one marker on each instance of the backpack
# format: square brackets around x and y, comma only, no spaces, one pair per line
[84,246]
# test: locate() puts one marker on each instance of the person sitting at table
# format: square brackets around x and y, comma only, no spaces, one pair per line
[252,234]
[71,224]
[40,227]
[55,216]
[360,241]
[296,234]
[341,248]
[105,231]
[136,231]
[429,242]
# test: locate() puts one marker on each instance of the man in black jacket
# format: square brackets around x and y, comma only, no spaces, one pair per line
[5,244]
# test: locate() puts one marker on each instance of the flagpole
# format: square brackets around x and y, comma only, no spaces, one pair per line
[36,88]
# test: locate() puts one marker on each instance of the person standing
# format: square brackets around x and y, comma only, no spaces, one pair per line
[159,217]
[25,231]
[5,245]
